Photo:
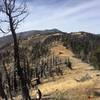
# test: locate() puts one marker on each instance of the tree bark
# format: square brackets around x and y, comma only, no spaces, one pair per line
[25,90]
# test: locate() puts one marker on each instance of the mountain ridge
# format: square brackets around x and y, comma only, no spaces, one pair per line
[23,35]
[5,40]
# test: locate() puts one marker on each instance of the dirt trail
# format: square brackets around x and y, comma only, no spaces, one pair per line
[67,81]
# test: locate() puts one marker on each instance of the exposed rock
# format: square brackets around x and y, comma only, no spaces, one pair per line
[84,78]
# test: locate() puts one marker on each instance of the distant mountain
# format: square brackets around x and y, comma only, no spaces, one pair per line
[7,40]
[34,32]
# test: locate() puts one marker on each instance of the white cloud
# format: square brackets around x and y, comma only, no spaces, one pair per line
[67,18]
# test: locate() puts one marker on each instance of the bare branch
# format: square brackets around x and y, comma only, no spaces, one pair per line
[19,8]
[2,30]
[6,7]
[5,32]
[13,4]
[20,11]
[15,14]
[19,21]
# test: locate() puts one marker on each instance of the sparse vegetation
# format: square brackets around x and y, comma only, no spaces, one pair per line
[85,47]
[46,59]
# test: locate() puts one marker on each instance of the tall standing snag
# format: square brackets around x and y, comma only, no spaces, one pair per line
[13,14]
[2,92]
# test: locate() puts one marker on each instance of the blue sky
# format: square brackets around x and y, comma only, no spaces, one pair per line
[65,15]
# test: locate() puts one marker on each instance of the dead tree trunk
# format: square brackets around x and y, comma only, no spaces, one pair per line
[14,14]
[25,90]
[8,80]
[2,93]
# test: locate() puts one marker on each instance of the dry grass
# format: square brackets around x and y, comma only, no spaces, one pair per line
[66,87]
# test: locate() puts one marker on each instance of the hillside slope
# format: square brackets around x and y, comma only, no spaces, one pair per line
[48,45]
[68,81]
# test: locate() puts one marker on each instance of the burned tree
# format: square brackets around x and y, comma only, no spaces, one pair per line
[14,14]
[2,92]
[8,80]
